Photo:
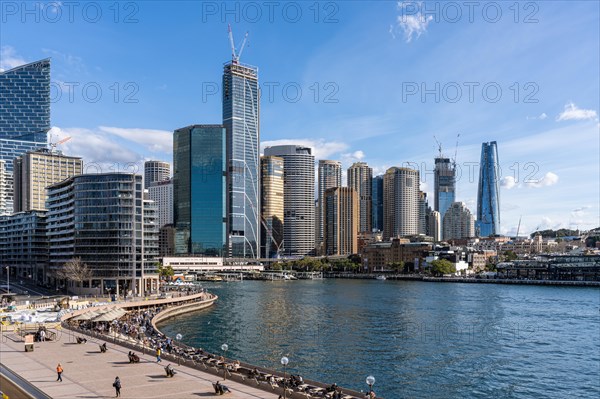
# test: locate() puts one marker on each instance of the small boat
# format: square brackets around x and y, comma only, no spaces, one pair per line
[380,277]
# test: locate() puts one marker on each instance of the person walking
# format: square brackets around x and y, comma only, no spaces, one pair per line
[158,352]
[117,385]
[59,371]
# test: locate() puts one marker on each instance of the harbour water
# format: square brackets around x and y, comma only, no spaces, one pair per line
[419,340]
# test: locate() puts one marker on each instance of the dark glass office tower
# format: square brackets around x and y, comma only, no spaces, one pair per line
[25,102]
[488,194]
[377,203]
[241,120]
[444,185]
[199,190]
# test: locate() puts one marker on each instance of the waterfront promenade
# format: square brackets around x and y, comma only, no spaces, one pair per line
[89,373]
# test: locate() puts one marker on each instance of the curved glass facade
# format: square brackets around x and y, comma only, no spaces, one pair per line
[488,194]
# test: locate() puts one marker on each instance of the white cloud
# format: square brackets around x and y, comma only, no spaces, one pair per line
[9,58]
[411,20]
[571,112]
[151,139]
[549,179]
[541,116]
[74,62]
[508,182]
[321,149]
[579,212]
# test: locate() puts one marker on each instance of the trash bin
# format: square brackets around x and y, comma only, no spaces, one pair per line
[29,343]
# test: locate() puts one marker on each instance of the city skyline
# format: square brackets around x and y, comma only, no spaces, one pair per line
[547,142]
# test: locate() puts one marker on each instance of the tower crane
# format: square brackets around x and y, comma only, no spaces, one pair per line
[236,57]
[439,145]
[455,151]
[54,145]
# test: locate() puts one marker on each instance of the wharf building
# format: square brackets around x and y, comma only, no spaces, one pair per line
[488,193]
[241,119]
[104,220]
[341,221]
[330,176]
[400,203]
[36,170]
[299,198]
[155,172]
[272,202]
[360,178]
[381,256]
[200,191]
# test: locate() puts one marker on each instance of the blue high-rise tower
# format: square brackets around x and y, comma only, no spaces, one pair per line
[488,194]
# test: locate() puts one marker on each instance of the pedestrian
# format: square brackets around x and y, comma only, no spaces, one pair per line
[59,371]
[42,335]
[158,352]
[117,385]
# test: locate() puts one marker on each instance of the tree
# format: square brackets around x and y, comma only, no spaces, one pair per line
[75,271]
[442,266]
[397,267]
[165,272]
[510,255]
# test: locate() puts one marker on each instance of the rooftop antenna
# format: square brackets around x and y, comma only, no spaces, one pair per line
[236,57]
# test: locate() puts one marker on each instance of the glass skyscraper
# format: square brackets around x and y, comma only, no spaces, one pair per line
[488,194]
[241,120]
[444,185]
[199,190]
[377,203]
[25,102]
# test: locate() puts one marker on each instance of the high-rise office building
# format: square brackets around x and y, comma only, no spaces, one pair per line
[299,198]
[435,226]
[25,102]
[271,202]
[101,219]
[5,190]
[36,170]
[377,201]
[200,191]
[423,211]
[156,171]
[444,184]
[360,178]
[241,110]
[341,221]
[400,202]
[161,192]
[330,176]
[488,194]
[458,222]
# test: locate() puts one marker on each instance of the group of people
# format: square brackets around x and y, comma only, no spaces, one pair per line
[133,358]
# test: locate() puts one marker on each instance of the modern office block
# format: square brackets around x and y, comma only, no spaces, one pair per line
[34,171]
[360,178]
[200,191]
[241,111]
[377,202]
[444,184]
[435,226]
[272,203]
[488,193]
[458,222]
[6,191]
[156,171]
[330,176]
[341,221]
[161,192]
[400,202]
[299,198]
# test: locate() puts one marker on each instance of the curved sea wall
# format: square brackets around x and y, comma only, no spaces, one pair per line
[181,309]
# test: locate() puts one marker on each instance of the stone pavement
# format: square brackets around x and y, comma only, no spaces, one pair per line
[90,374]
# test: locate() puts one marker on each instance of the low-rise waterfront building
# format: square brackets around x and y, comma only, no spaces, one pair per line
[381,256]
[203,264]
[553,267]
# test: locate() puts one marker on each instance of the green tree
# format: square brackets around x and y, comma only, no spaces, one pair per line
[510,255]
[397,267]
[442,266]
[165,272]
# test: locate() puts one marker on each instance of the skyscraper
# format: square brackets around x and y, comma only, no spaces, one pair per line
[400,202]
[25,102]
[156,171]
[377,201]
[458,222]
[360,177]
[299,198]
[36,170]
[199,190]
[241,120]
[330,176]
[161,192]
[488,194]
[271,201]
[341,221]
[444,184]
[423,211]
[5,190]
[435,226]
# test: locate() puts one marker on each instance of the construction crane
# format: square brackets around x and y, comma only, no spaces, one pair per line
[54,145]
[455,151]
[519,226]
[439,145]
[236,57]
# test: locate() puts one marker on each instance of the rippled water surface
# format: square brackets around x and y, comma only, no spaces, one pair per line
[419,340]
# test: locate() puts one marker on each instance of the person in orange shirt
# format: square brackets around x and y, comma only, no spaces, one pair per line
[59,371]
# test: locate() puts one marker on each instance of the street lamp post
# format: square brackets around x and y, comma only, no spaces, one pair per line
[370,382]
[284,362]
[143,332]
[7,280]
[178,337]
[224,348]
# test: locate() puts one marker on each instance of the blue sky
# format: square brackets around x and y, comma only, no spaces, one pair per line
[370,81]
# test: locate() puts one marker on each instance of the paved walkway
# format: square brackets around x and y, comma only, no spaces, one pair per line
[90,374]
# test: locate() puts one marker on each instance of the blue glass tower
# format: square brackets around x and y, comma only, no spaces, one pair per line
[377,213]
[241,121]
[199,190]
[25,102]
[488,194]
[445,182]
